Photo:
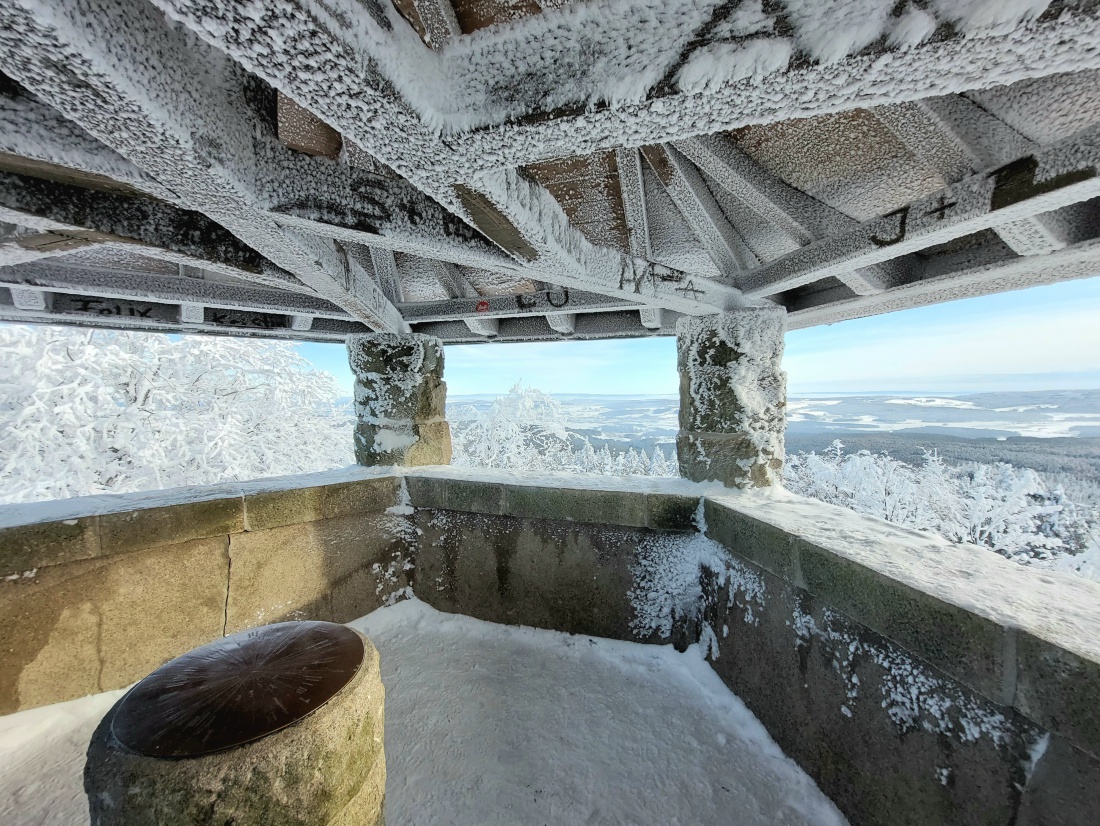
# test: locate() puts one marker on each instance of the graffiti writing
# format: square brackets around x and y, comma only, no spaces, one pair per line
[690,290]
[262,322]
[897,239]
[940,211]
[97,306]
[558,299]
[530,301]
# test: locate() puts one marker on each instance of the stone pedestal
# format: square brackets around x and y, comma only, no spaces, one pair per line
[249,736]
[400,400]
[733,397]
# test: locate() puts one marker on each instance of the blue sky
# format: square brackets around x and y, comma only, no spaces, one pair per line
[1043,338]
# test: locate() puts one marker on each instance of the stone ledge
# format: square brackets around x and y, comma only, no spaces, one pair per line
[597,506]
[24,548]
[1020,637]
[139,530]
[507,494]
[276,509]
[45,534]
[1059,690]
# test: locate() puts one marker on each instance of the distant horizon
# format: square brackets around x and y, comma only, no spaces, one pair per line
[816,395]
[907,393]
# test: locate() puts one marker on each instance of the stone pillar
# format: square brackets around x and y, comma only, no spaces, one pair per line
[400,400]
[733,397]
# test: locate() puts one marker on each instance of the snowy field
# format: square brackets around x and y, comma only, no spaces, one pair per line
[646,421]
[493,724]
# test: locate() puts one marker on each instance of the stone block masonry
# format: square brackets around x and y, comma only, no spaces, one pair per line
[400,400]
[88,606]
[915,680]
[733,397]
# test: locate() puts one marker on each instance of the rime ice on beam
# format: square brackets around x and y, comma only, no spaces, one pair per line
[733,397]
[400,400]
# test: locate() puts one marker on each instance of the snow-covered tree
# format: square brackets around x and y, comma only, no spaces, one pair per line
[997,506]
[526,429]
[85,412]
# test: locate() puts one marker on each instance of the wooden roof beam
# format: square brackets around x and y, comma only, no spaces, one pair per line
[82,216]
[105,282]
[1053,177]
[976,140]
[683,81]
[142,88]
[790,212]
[519,216]
[689,191]
[545,303]
[964,280]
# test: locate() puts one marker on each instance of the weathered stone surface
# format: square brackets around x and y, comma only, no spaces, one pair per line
[772,548]
[733,459]
[426,491]
[304,775]
[273,509]
[26,547]
[400,399]
[671,512]
[333,570]
[732,397]
[474,496]
[608,507]
[1059,690]
[101,624]
[360,496]
[1063,787]
[149,527]
[970,647]
[408,443]
[547,574]
[887,737]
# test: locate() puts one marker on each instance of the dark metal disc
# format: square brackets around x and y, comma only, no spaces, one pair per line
[237,689]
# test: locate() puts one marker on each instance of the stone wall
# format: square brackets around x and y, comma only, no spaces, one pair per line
[97,597]
[556,558]
[916,681]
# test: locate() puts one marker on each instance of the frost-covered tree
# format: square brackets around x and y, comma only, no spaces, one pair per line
[526,429]
[85,412]
[997,506]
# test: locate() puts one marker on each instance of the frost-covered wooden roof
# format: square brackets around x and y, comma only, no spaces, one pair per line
[518,170]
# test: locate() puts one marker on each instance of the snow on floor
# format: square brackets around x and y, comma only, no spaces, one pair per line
[42,761]
[494,724]
[491,723]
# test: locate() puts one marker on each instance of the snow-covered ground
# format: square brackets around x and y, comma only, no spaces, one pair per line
[647,420]
[494,724]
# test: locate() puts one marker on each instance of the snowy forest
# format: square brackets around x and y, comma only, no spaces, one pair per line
[87,412]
